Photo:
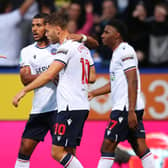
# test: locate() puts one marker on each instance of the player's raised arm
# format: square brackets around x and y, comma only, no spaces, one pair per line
[89,41]
[25,6]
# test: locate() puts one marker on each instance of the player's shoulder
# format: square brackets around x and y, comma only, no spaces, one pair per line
[77,46]
[71,46]
[126,49]
[65,47]
[28,48]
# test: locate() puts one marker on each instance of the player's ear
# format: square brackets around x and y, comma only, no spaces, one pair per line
[117,35]
[58,28]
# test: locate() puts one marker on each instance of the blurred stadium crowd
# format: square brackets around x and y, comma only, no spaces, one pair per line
[147,22]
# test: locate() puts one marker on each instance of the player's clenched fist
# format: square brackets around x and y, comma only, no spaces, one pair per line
[18,97]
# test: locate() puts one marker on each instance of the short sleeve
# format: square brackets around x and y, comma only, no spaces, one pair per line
[62,55]
[128,60]
[23,59]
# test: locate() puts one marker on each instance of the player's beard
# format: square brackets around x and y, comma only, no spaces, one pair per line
[44,38]
[53,40]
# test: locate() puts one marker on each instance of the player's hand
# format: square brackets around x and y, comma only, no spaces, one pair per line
[75,37]
[18,97]
[90,96]
[132,120]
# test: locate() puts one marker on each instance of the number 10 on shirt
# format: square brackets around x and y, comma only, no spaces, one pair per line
[85,70]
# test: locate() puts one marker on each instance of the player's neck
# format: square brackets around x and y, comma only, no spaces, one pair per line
[42,44]
[117,43]
[63,36]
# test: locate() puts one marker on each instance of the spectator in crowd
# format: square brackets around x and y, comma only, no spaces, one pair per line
[85,29]
[138,36]
[126,7]
[81,19]
[156,27]
[46,6]
[76,11]
[109,11]
[26,25]
[123,7]
[10,43]
[72,26]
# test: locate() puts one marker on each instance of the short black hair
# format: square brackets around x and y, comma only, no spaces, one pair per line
[41,16]
[120,27]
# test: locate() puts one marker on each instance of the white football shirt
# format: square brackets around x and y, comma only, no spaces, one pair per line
[39,60]
[123,59]
[73,79]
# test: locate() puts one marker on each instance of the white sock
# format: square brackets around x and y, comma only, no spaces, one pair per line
[148,160]
[70,161]
[22,163]
[105,162]
[74,163]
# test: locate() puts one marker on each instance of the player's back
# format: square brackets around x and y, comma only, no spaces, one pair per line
[73,79]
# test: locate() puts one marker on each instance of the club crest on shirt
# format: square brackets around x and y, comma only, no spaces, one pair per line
[112,76]
[53,51]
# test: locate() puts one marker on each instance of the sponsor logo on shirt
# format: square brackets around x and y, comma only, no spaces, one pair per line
[41,69]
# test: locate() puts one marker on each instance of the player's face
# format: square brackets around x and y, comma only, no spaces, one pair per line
[38,29]
[52,33]
[109,35]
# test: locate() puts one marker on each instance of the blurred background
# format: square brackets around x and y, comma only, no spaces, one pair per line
[147,22]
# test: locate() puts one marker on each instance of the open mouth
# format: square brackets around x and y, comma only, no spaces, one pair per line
[35,35]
